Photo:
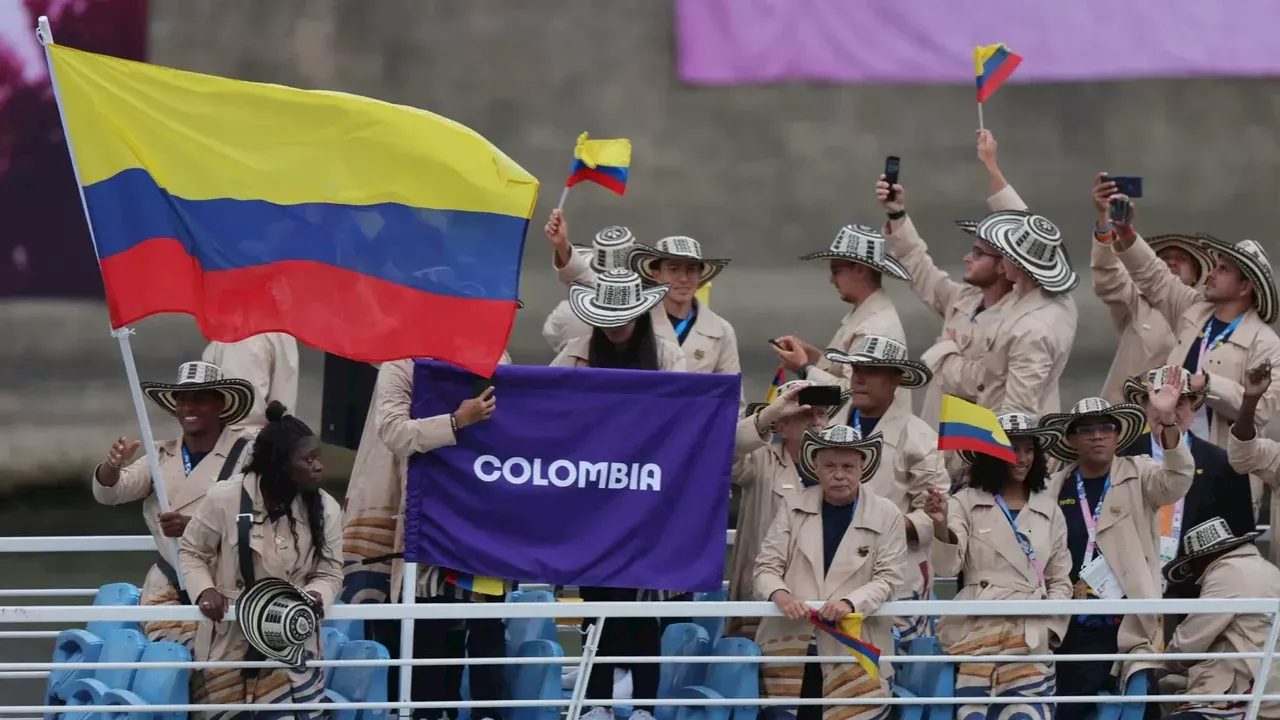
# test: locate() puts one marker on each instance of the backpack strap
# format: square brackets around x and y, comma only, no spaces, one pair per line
[244,523]
[172,576]
[229,466]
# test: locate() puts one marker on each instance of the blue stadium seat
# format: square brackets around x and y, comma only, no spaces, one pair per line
[536,682]
[119,646]
[713,625]
[78,646]
[927,679]
[734,680]
[700,712]
[331,642]
[359,684]
[681,640]
[1139,684]
[114,594]
[156,686]
[522,630]
[351,629]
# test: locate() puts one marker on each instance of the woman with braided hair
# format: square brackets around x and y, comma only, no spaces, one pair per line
[294,533]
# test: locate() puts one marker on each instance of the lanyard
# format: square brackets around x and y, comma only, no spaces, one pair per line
[1090,518]
[1207,344]
[855,420]
[186,460]
[1023,541]
[682,328]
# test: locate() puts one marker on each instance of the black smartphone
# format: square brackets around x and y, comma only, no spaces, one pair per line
[891,165]
[479,385]
[819,395]
[1130,185]
[774,342]
[1119,211]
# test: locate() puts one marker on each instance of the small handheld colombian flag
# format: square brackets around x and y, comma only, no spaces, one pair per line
[848,632]
[603,162]
[779,378]
[965,426]
[475,583]
[992,65]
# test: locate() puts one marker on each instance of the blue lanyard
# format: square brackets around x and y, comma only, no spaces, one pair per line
[1207,344]
[683,325]
[855,421]
[1091,523]
[186,460]
[1024,542]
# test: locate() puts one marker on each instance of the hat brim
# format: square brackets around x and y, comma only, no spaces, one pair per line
[251,606]
[1179,570]
[890,266]
[582,301]
[1192,245]
[643,258]
[914,374]
[1265,299]
[1135,392]
[1055,278]
[870,448]
[237,396]
[1131,418]
[832,410]
[1045,437]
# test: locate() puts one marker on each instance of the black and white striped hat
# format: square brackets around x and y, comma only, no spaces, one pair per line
[1032,243]
[237,394]
[878,351]
[865,246]
[277,618]
[617,298]
[676,247]
[610,249]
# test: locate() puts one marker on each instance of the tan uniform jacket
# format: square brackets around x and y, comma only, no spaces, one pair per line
[767,477]
[209,557]
[1145,335]
[1129,522]
[867,569]
[268,361]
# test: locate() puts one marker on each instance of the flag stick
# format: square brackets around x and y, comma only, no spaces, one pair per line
[45,35]
[980,125]
[563,196]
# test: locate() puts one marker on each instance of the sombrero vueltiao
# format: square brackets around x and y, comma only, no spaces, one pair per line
[1016,425]
[678,247]
[1131,418]
[1192,245]
[1032,243]
[753,408]
[1252,260]
[877,351]
[838,437]
[277,618]
[1208,538]
[237,394]
[1136,389]
[865,246]
[610,249]
[618,298]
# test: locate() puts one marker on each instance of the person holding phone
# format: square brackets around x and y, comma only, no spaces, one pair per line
[1145,335]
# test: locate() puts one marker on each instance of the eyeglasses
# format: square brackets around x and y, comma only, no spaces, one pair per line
[1094,429]
[978,253]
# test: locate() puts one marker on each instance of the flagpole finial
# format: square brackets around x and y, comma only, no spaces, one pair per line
[44,33]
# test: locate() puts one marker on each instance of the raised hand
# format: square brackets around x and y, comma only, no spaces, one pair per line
[1258,379]
[121,452]
[987,148]
[557,229]
[899,201]
[476,409]
[783,406]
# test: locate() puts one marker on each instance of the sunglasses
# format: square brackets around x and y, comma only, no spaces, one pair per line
[1094,429]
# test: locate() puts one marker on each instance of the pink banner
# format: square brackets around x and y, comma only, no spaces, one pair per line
[726,42]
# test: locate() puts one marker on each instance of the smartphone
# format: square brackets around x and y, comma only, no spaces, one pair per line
[1130,185]
[774,342]
[1119,211]
[891,165]
[819,395]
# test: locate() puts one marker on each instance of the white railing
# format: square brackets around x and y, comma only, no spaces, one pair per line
[605,610]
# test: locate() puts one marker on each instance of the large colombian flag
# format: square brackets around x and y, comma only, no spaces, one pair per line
[370,230]
[965,426]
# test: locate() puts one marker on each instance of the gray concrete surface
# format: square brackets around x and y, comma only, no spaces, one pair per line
[761,174]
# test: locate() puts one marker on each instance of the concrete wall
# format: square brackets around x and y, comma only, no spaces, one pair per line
[762,174]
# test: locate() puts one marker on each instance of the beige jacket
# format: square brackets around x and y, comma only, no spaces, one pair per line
[373,522]
[1238,573]
[711,346]
[910,466]
[767,477]
[867,569]
[1260,459]
[268,361]
[1130,521]
[1145,335]
[1187,311]
[209,557]
[185,492]
[562,325]
[875,316]
[995,567]
[577,350]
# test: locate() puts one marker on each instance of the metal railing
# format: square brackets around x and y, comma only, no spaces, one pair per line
[605,610]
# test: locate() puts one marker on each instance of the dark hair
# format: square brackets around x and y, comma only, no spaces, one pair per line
[272,461]
[989,473]
[639,353]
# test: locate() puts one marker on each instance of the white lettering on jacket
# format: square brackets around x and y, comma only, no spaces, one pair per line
[566,473]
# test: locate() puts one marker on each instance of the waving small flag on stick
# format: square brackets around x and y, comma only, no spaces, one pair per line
[992,64]
[603,162]
[965,426]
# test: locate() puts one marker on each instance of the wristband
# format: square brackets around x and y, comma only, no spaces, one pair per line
[759,430]
[453,423]
[803,372]
[897,215]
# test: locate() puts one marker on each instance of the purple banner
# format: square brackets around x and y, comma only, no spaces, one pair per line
[609,478]
[726,42]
